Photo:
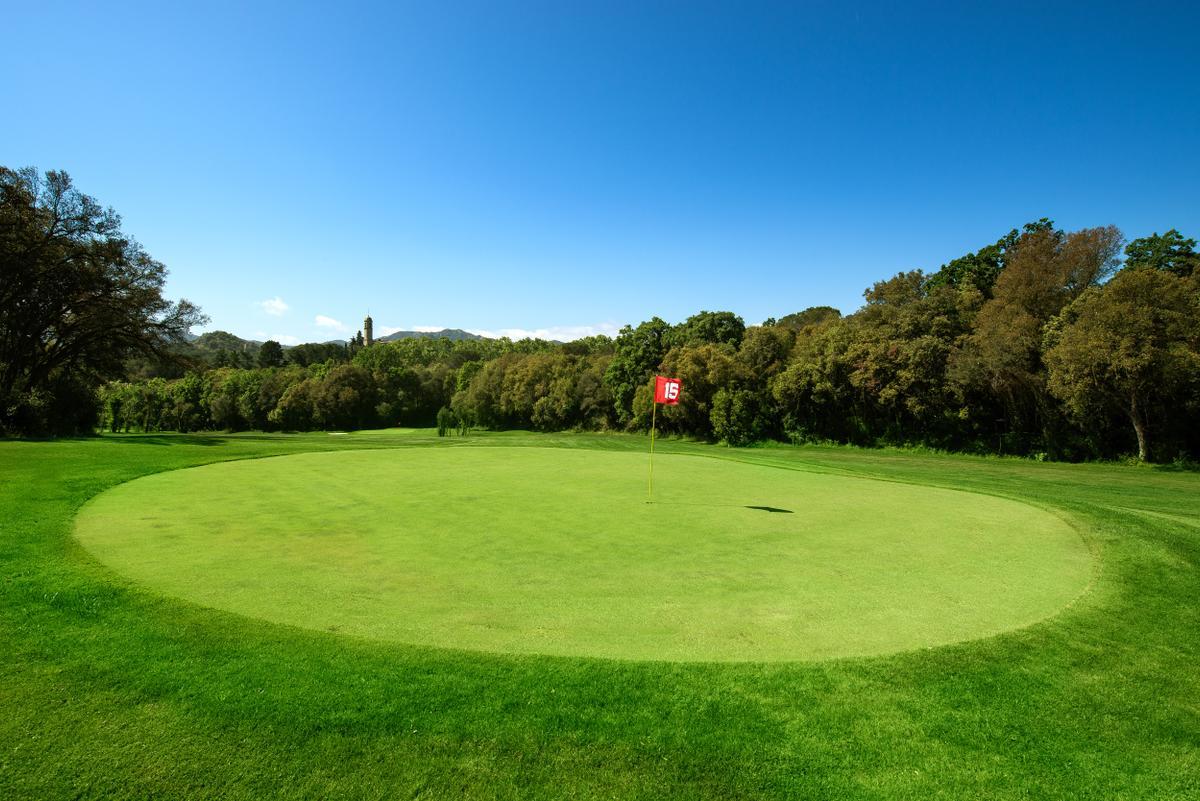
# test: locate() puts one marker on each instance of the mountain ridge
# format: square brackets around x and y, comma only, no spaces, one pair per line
[212,341]
[445,333]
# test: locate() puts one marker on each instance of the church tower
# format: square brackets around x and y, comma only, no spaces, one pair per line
[367,332]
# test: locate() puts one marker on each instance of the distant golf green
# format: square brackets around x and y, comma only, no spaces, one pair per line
[556,551]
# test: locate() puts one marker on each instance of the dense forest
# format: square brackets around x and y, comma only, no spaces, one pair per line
[1045,343]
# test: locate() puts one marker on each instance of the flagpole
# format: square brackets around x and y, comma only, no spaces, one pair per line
[650,482]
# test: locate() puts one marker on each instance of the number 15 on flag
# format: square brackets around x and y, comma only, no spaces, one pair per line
[666,390]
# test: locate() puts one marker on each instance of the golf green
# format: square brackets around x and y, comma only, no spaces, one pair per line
[556,551]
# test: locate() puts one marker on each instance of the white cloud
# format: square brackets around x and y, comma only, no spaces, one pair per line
[274,306]
[328,322]
[562,333]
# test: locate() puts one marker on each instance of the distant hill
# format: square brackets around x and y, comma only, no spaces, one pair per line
[445,333]
[214,341]
[223,340]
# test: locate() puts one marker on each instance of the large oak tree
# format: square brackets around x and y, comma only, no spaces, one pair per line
[1129,345]
[78,298]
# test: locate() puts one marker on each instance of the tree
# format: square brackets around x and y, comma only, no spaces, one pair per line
[593,398]
[982,269]
[704,369]
[316,353]
[274,384]
[479,401]
[764,352]
[814,394]
[225,387]
[898,354]
[78,299]
[270,354]
[1002,358]
[242,359]
[637,353]
[1130,344]
[345,398]
[446,421]
[296,408]
[709,328]
[735,417]
[188,411]
[810,317]
[1170,252]
[116,399]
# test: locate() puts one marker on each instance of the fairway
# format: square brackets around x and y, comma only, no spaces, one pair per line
[556,552]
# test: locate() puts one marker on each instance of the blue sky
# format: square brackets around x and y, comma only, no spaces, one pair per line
[565,168]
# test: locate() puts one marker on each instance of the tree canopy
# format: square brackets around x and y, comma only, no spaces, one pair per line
[1033,344]
[79,297]
[1170,251]
[1132,345]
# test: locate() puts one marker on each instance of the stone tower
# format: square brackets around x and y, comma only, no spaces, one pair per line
[367,332]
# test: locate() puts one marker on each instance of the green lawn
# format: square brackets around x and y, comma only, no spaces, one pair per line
[555,551]
[154,659]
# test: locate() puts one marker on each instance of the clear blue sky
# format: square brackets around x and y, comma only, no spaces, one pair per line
[574,166]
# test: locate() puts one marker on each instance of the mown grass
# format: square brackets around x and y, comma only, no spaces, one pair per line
[557,551]
[108,691]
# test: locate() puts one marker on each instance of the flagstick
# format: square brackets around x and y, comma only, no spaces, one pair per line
[650,483]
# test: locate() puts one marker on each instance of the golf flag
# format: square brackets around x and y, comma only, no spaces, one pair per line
[666,390]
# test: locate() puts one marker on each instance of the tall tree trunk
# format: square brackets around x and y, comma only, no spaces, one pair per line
[1139,427]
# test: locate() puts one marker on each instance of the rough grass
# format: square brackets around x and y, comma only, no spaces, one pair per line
[556,551]
[110,691]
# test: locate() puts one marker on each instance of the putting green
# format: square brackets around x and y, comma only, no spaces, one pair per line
[547,551]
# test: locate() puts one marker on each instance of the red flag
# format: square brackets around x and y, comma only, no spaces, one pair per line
[666,390]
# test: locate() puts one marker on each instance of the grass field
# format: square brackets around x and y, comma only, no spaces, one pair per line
[553,551]
[998,628]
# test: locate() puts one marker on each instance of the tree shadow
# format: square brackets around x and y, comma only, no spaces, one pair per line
[1178,466]
[172,439]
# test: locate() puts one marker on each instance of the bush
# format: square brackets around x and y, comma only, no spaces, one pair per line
[735,418]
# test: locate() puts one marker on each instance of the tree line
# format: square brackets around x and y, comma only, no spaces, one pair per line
[1046,343]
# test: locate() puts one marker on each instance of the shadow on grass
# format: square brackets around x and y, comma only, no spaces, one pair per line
[772,509]
[1178,466]
[174,439]
[206,440]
